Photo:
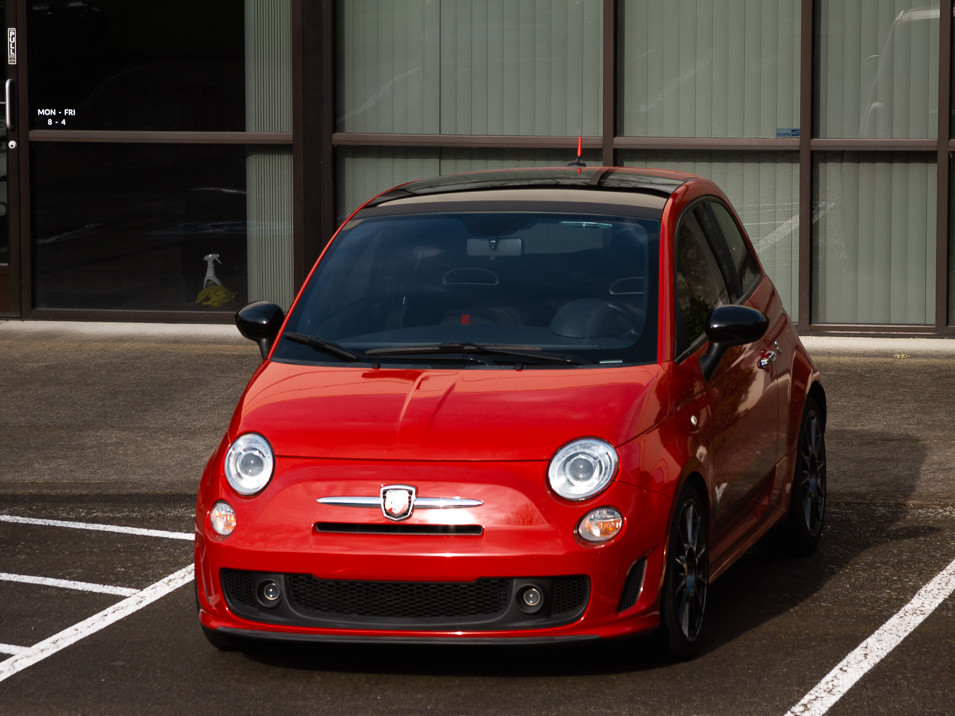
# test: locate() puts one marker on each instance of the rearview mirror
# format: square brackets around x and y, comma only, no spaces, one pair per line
[730,326]
[260,322]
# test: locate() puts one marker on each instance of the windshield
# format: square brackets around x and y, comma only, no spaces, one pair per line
[482,289]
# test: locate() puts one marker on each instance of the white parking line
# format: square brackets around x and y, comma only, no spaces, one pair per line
[68,584]
[138,531]
[31,655]
[876,647]
[10,649]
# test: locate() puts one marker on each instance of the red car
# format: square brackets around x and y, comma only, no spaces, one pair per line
[523,407]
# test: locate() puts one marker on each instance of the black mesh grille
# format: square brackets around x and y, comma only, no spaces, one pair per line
[570,595]
[633,586]
[239,586]
[482,605]
[399,600]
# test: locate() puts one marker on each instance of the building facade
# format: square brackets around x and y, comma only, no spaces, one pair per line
[173,161]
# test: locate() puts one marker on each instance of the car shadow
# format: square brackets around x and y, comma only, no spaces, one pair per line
[766,582]
[492,661]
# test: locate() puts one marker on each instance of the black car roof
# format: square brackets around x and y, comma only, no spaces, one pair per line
[660,184]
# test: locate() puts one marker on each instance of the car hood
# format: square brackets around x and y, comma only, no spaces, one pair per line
[355,413]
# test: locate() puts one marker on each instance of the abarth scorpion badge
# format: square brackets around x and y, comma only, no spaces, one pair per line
[397,502]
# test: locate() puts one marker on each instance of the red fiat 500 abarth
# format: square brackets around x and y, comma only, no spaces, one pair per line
[523,406]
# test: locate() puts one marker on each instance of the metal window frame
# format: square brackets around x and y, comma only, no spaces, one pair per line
[293,140]
[314,142]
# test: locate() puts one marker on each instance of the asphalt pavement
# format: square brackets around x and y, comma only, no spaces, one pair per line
[111,424]
[120,408]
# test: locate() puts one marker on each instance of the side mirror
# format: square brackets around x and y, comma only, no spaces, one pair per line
[730,326]
[260,322]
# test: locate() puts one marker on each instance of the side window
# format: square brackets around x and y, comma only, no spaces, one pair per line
[699,284]
[714,240]
[744,263]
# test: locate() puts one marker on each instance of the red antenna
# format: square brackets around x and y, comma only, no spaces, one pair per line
[579,163]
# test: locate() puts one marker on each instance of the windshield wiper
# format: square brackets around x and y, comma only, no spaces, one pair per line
[469,349]
[318,344]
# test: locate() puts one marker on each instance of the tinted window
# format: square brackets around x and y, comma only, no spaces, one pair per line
[558,283]
[699,283]
[115,64]
[127,226]
[744,265]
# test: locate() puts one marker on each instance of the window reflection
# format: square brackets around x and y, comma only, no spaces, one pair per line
[130,226]
[874,261]
[877,69]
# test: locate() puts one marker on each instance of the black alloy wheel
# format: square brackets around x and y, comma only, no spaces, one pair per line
[807,510]
[687,578]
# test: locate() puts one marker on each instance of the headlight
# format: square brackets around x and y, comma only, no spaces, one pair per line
[249,464]
[582,469]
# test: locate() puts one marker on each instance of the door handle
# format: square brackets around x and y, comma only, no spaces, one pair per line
[8,104]
[769,356]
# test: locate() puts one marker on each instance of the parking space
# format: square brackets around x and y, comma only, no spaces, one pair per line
[865,625]
[63,580]
[778,626]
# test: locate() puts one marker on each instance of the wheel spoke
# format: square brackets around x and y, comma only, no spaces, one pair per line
[816,436]
[689,536]
[685,615]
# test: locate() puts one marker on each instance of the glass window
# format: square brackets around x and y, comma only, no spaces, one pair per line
[699,283]
[763,187]
[742,264]
[877,67]
[553,283]
[215,65]
[706,220]
[499,67]
[874,239]
[697,68]
[157,227]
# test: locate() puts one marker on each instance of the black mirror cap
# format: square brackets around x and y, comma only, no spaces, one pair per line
[736,325]
[730,326]
[260,322]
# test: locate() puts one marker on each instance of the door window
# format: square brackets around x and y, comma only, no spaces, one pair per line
[743,263]
[699,283]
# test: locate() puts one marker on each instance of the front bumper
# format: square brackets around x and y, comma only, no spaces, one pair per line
[412,586]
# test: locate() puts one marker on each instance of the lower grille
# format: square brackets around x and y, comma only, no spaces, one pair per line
[485,604]
[482,599]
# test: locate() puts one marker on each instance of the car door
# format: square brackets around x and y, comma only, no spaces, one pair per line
[734,414]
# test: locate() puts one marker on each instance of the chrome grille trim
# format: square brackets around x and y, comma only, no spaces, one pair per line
[420,503]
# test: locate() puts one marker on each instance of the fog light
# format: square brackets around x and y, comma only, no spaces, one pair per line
[269,593]
[600,525]
[530,599]
[222,518]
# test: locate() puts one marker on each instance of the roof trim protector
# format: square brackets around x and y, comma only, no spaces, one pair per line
[645,181]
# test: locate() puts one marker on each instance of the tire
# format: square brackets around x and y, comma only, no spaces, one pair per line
[803,527]
[687,576]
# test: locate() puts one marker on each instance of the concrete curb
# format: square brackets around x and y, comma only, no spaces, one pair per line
[198,332]
[880,347]
[80,330]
